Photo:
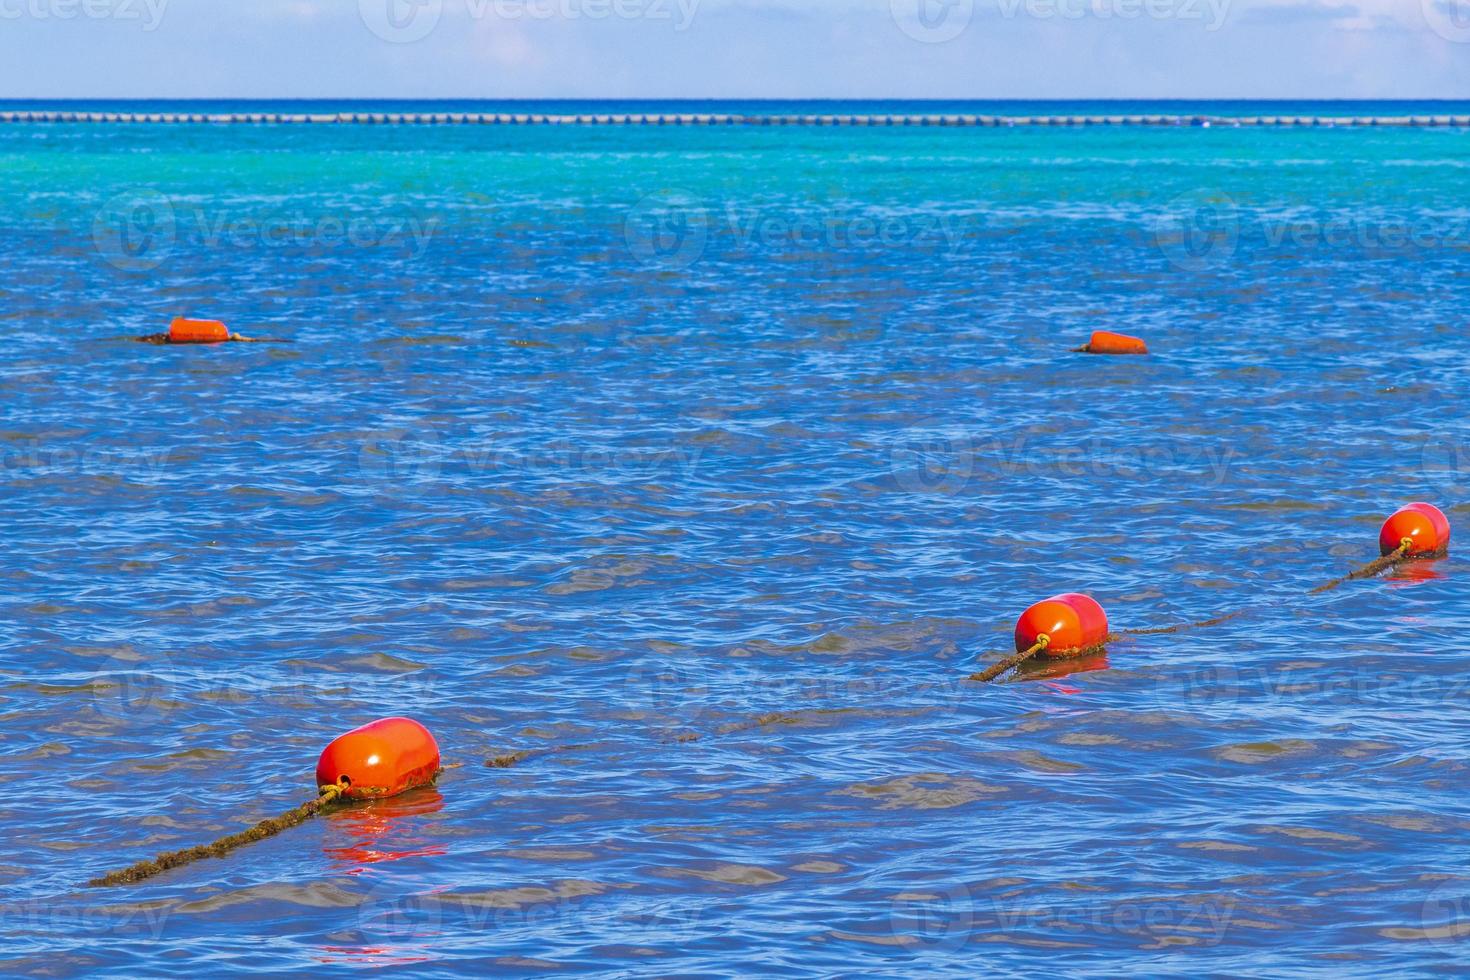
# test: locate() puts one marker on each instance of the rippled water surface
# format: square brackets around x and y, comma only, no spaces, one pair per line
[703,466]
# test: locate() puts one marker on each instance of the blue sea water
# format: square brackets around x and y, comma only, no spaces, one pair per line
[703,466]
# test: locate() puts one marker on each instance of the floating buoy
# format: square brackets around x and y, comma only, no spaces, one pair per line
[1423,524]
[374,762]
[1113,343]
[1417,531]
[1064,626]
[186,331]
[380,760]
[1071,623]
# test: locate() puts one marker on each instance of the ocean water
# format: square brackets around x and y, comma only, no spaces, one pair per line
[703,466]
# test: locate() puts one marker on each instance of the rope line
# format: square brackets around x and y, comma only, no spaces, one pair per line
[512,759]
[1182,627]
[774,719]
[769,720]
[1398,557]
[1372,568]
[328,797]
[162,340]
[331,795]
[144,870]
[1012,662]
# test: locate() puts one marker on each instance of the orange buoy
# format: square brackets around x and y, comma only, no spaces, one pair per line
[186,331]
[1114,343]
[1074,622]
[1424,524]
[380,760]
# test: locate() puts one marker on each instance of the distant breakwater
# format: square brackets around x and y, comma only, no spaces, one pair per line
[697,119]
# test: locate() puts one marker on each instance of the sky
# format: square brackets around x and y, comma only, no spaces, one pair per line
[976,49]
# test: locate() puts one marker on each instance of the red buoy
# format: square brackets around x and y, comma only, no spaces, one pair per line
[1074,622]
[1424,524]
[186,331]
[380,760]
[1114,343]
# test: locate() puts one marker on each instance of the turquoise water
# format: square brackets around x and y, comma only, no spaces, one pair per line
[589,442]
